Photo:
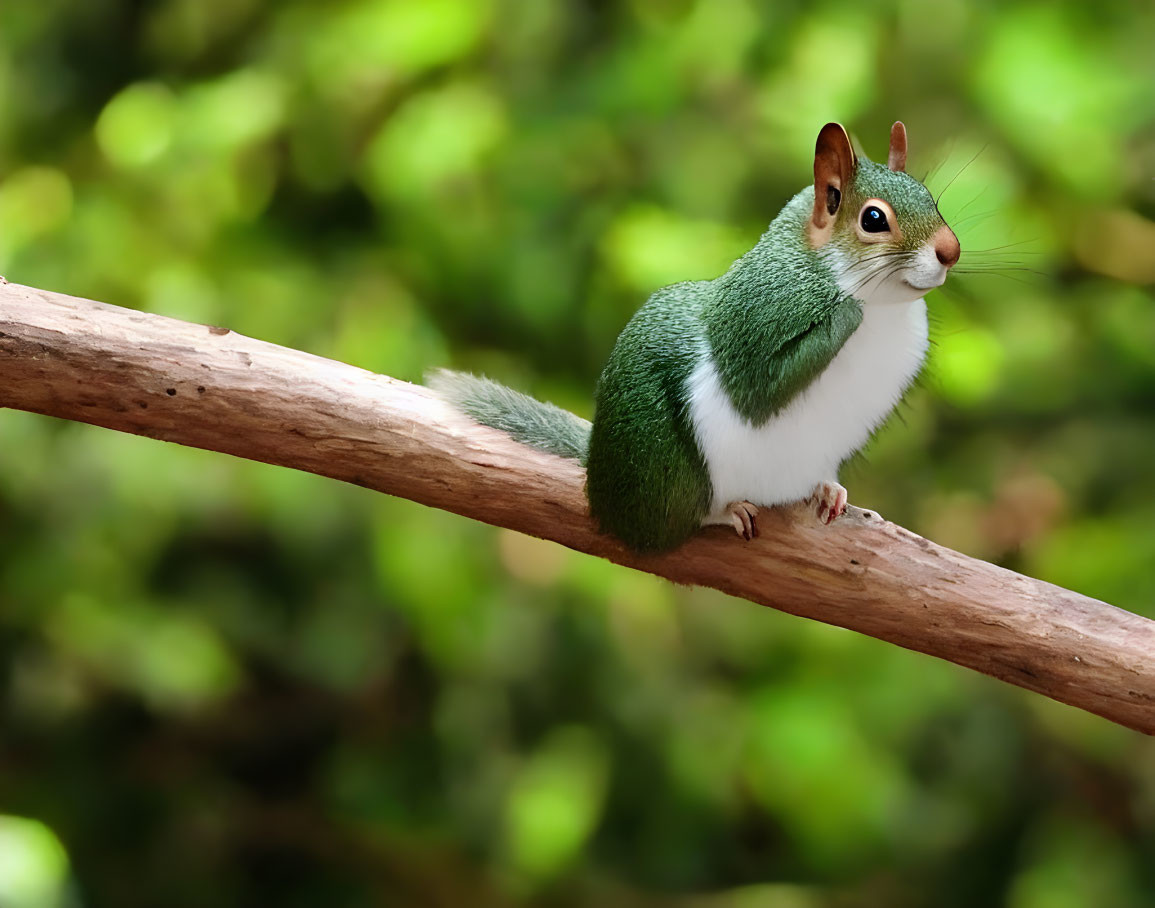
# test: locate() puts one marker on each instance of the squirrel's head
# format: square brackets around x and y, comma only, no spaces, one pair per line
[878,228]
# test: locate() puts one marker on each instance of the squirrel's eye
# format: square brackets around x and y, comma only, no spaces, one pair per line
[873,220]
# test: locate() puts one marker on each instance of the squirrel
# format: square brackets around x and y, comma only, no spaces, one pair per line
[751,390]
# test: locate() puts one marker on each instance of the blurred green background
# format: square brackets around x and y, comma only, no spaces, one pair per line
[225,684]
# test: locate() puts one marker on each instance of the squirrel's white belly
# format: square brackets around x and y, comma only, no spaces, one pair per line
[786,457]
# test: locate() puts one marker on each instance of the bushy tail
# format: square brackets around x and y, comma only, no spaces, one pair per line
[532,422]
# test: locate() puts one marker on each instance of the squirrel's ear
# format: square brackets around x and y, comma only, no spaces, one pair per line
[896,160]
[834,164]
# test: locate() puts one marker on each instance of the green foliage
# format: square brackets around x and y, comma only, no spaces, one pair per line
[227,684]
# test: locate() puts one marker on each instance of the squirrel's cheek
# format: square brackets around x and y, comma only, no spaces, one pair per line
[926,271]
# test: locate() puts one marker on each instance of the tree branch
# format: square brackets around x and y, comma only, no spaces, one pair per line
[211,388]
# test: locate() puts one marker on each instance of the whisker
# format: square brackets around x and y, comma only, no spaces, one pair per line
[996,258]
[1019,269]
[980,216]
[971,261]
[1019,275]
[971,264]
[959,174]
[1009,246]
[982,192]
[889,262]
[941,161]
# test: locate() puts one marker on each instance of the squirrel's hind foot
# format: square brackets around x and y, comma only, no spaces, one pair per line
[741,515]
[830,500]
[743,518]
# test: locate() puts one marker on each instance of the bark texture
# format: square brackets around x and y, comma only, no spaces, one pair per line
[211,388]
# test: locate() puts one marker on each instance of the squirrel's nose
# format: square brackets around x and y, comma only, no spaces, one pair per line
[946,246]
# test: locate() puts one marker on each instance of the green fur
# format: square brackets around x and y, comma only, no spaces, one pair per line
[646,479]
[532,422]
[918,215]
[771,325]
[777,318]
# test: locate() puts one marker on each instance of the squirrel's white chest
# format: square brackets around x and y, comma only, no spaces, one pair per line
[783,459]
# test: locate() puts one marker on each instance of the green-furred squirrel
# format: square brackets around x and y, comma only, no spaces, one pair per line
[751,390]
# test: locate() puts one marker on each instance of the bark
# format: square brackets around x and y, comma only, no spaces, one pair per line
[212,388]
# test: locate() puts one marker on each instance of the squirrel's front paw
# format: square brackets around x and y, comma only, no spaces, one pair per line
[744,518]
[830,499]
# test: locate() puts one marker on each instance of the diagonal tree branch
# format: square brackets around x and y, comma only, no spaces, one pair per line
[211,388]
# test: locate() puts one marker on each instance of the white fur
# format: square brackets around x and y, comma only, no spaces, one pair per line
[870,278]
[784,459]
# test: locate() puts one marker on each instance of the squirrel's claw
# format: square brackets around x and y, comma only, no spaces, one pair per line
[830,499]
[744,518]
